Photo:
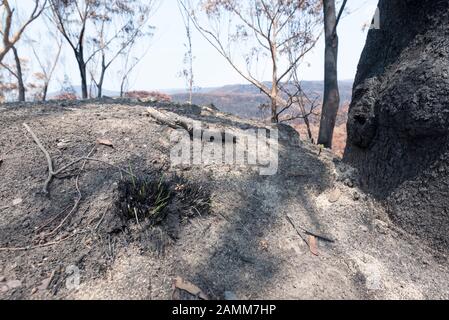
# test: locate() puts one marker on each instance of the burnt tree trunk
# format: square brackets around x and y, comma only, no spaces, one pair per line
[331,99]
[101,81]
[45,91]
[398,121]
[83,73]
[19,73]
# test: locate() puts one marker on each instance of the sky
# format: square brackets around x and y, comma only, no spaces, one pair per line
[210,69]
[160,68]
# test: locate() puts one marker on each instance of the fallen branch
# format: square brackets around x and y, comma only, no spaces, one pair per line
[307,232]
[48,244]
[175,122]
[296,229]
[172,121]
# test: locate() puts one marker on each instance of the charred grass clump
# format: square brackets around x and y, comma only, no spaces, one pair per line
[149,200]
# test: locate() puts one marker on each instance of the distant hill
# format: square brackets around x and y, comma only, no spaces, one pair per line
[244,99]
[77,89]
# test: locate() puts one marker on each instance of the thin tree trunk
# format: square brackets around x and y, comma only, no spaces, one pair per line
[121,90]
[100,87]
[21,85]
[331,100]
[309,131]
[82,68]
[122,87]
[274,86]
[44,91]
[191,69]
[191,84]
[306,121]
[274,113]
[103,72]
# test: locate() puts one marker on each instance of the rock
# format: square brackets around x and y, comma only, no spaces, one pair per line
[349,183]
[356,196]
[14,284]
[17,201]
[381,226]
[2,279]
[230,296]
[335,195]
[63,144]
[364,228]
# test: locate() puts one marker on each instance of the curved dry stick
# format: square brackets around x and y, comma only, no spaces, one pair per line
[47,156]
[95,160]
[48,244]
[52,173]
[50,221]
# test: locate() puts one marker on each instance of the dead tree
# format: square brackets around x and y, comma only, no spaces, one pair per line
[331,99]
[187,72]
[15,69]
[264,31]
[118,25]
[19,75]
[9,37]
[129,63]
[71,19]
[47,62]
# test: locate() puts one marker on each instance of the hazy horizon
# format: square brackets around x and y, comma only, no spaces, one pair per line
[160,68]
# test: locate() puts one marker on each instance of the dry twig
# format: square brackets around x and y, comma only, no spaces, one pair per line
[52,173]
[48,244]
[306,232]
[78,199]
[47,156]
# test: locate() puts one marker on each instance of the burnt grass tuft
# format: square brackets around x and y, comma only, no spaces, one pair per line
[150,199]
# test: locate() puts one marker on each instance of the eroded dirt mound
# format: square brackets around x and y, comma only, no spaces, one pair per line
[129,224]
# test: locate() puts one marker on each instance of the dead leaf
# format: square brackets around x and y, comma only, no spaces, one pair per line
[180,283]
[313,245]
[105,142]
[335,195]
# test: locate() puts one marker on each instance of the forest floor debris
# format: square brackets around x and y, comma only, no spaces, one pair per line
[221,227]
